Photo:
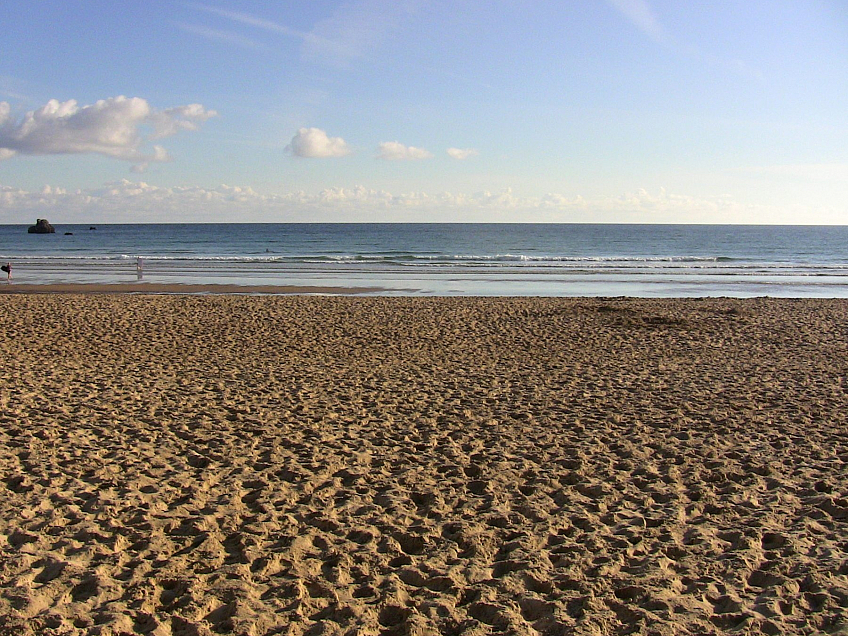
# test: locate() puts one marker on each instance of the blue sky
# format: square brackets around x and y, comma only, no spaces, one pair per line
[415,110]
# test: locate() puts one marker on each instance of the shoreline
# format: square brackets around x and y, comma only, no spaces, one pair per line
[198,464]
[522,260]
[424,288]
[183,288]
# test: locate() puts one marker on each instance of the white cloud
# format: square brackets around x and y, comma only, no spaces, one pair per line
[395,151]
[112,127]
[170,121]
[462,153]
[314,143]
[159,155]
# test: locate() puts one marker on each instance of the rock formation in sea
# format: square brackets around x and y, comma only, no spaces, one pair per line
[42,226]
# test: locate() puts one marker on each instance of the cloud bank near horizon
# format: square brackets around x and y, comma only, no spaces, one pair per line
[127,201]
[116,127]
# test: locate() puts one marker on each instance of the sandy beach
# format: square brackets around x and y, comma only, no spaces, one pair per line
[256,465]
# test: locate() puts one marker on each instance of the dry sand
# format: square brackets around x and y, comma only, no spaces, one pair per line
[304,465]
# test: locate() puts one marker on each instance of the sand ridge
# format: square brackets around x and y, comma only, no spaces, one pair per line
[303,465]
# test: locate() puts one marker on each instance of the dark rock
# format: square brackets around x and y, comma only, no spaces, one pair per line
[42,226]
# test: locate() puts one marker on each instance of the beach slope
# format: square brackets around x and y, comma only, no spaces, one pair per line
[299,465]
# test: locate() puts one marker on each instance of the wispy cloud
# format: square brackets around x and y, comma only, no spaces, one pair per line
[270,26]
[355,29]
[640,15]
[251,20]
[8,89]
[314,45]
[223,37]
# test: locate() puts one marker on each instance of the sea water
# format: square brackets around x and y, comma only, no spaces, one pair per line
[446,259]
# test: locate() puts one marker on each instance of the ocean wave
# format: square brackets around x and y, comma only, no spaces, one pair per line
[408,262]
[379,257]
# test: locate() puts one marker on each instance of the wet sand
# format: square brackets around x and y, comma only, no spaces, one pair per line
[181,288]
[202,465]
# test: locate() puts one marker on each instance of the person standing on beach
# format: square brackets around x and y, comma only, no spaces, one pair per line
[8,269]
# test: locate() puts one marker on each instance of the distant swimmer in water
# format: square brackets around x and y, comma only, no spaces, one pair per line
[8,269]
